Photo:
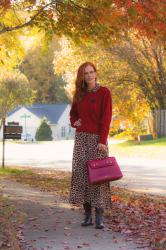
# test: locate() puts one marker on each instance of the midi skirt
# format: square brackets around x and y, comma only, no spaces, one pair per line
[85,148]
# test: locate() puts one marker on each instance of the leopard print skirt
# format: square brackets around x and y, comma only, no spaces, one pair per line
[85,148]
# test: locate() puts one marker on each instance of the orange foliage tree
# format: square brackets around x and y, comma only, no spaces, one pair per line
[130,108]
[98,19]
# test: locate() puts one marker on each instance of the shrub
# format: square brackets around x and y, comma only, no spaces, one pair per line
[44,132]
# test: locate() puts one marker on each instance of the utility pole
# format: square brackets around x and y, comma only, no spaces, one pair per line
[25,116]
[11,131]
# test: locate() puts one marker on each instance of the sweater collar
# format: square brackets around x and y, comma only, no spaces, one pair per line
[95,88]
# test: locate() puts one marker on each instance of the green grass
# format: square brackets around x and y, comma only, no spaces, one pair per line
[8,171]
[154,142]
[153,149]
[47,180]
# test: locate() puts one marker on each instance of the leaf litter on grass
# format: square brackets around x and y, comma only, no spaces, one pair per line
[140,217]
[10,231]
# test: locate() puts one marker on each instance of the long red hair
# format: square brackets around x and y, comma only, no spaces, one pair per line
[80,84]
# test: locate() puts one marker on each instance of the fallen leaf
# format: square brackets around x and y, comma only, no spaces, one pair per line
[86,244]
[32,218]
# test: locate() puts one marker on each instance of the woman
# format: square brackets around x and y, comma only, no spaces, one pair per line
[90,114]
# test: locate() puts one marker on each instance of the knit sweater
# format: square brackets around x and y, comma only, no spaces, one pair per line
[95,112]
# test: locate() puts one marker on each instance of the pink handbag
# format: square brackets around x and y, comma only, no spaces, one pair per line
[103,170]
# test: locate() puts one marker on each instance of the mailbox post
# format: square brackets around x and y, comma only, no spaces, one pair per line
[3,142]
[10,131]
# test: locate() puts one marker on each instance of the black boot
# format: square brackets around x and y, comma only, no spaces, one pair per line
[88,215]
[99,217]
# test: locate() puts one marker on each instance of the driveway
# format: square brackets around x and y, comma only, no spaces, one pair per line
[140,174]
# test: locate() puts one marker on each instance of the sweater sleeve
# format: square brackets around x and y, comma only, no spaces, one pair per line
[73,114]
[106,116]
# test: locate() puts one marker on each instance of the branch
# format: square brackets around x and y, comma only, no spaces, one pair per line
[158,59]
[7,29]
[86,9]
[129,80]
[16,15]
[79,7]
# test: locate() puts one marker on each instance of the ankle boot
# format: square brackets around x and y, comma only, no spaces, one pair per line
[99,217]
[88,215]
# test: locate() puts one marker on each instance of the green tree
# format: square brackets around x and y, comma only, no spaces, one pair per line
[38,67]
[44,132]
[14,91]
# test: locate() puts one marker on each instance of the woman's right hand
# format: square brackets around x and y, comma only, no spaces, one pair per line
[77,123]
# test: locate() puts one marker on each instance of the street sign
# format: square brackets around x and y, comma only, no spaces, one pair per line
[13,123]
[12,132]
[13,129]
[25,116]
[13,136]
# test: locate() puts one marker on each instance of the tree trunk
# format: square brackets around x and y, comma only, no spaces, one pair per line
[152,125]
[157,122]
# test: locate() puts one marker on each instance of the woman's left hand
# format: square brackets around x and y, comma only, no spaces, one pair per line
[102,147]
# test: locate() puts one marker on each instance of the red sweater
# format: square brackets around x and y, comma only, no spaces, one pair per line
[95,112]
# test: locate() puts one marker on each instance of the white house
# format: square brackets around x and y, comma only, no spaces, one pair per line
[30,118]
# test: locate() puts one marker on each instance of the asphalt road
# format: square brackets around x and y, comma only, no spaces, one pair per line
[140,174]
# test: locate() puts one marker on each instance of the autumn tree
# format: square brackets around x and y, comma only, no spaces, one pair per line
[11,48]
[105,23]
[147,60]
[136,64]
[80,19]
[129,104]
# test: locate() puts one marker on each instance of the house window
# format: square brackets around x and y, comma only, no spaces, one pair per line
[62,131]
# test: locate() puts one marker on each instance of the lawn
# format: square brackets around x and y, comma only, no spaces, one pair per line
[153,149]
[155,142]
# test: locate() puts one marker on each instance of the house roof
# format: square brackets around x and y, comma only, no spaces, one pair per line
[51,111]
